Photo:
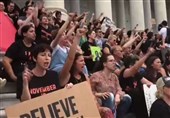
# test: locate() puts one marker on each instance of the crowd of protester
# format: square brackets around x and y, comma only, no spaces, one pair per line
[50,52]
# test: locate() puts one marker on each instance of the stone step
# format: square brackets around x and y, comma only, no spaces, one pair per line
[10,87]
[8,100]
[2,114]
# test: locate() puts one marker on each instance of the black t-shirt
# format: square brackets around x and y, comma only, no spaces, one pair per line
[59,23]
[160,109]
[20,55]
[42,85]
[44,35]
[130,83]
[87,52]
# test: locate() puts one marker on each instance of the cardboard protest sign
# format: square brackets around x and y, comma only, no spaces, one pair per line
[150,97]
[96,52]
[7,32]
[77,102]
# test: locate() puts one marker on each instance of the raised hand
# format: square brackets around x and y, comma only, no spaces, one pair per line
[27,75]
[151,50]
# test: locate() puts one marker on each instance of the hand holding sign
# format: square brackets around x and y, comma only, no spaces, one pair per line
[64,103]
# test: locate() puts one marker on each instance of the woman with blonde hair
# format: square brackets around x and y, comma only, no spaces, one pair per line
[107,47]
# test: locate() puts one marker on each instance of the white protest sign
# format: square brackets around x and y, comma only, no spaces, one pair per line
[108,23]
[150,97]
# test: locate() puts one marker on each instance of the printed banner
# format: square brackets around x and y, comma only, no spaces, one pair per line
[96,52]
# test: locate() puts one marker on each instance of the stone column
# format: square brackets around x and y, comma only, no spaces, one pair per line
[137,14]
[160,10]
[121,13]
[147,13]
[103,6]
[114,13]
[168,12]
[75,6]
[54,4]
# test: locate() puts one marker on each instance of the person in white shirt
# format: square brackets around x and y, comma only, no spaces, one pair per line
[163,35]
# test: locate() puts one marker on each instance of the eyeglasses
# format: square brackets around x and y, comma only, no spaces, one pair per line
[111,60]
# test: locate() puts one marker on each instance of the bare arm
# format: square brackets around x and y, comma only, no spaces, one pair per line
[69,33]
[60,33]
[84,19]
[130,42]
[27,75]
[8,68]
[65,72]
[23,23]
[106,50]
[137,48]
[78,18]
[119,31]
[92,18]
[100,16]
[133,70]
[162,71]
[35,16]
[145,81]
[25,93]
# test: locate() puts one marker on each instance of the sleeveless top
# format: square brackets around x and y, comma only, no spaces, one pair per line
[75,80]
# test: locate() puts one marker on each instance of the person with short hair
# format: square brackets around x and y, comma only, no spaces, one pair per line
[40,77]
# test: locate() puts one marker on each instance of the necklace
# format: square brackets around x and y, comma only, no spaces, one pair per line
[78,78]
[26,43]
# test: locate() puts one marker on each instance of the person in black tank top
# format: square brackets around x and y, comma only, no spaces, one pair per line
[76,72]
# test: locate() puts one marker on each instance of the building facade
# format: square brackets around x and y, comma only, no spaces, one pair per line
[125,13]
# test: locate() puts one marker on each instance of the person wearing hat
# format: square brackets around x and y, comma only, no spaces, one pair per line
[161,107]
